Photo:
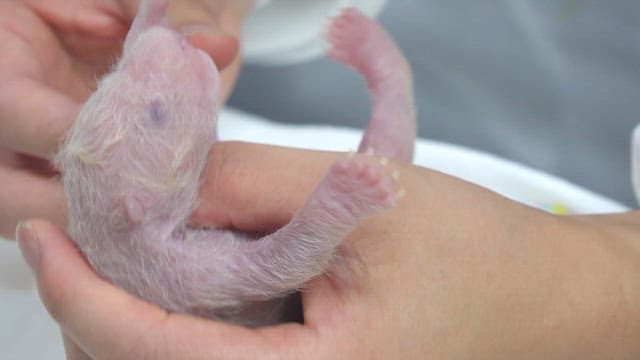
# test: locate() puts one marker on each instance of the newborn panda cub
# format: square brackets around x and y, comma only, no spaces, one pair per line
[134,159]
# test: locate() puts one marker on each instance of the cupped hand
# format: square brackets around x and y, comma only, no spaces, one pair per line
[51,54]
[454,271]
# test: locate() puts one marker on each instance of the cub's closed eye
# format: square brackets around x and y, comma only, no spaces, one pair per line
[157,114]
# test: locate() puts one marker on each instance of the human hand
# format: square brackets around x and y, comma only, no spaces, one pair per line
[52,52]
[454,271]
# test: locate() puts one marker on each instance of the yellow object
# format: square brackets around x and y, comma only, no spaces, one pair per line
[559,209]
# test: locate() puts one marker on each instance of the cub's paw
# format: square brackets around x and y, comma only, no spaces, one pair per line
[348,35]
[363,184]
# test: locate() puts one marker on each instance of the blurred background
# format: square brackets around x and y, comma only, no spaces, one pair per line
[553,84]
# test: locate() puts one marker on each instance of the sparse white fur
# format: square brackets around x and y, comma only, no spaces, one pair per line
[132,166]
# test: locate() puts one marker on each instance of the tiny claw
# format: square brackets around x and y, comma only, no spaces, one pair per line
[401,193]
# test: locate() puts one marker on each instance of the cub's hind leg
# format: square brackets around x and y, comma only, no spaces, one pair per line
[362,44]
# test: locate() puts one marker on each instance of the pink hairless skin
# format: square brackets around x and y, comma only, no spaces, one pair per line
[133,161]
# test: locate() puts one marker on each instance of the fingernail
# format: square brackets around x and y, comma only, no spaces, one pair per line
[28,242]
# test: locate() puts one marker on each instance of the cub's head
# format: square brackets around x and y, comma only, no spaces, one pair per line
[144,135]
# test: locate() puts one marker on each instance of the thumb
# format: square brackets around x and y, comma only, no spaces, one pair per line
[213,27]
[93,314]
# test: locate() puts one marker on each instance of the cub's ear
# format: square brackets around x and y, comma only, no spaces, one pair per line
[635,161]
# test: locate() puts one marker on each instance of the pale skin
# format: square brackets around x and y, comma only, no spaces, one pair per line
[453,272]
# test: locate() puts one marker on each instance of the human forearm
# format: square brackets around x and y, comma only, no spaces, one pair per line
[580,296]
[512,282]
[606,269]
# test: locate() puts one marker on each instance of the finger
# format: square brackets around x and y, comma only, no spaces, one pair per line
[108,323]
[95,18]
[201,24]
[213,27]
[34,117]
[25,195]
[38,166]
[272,182]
